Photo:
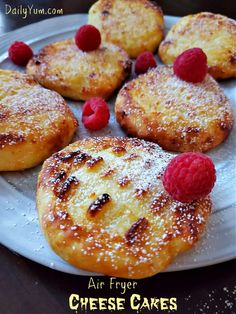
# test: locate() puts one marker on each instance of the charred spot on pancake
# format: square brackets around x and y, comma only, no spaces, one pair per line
[80,158]
[62,215]
[136,230]
[60,175]
[184,207]
[11,139]
[118,150]
[92,75]
[107,173]
[76,157]
[123,114]
[137,143]
[70,156]
[66,186]
[141,192]
[91,163]
[98,204]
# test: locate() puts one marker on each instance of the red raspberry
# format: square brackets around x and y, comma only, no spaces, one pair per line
[144,62]
[191,65]
[189,176]
[95,114]
[88,38]
[20,53]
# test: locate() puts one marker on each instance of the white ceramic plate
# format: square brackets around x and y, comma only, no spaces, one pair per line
[19,228]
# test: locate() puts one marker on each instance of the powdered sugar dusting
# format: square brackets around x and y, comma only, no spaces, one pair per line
[188,116]
[125,220]
[63,67]
[27,107]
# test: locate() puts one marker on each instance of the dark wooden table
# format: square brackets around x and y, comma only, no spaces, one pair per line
[29,288]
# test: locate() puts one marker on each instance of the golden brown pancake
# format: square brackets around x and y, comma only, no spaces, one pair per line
[103,208]
[136,26]
[79,75]
[214,33]
[34,122]
[179,116]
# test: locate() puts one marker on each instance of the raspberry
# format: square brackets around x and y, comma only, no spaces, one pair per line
[144,62]
[189,177]
[20,53]
[88,38]
[95,114]
[191,65]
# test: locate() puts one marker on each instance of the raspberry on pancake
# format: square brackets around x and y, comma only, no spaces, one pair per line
[215,34]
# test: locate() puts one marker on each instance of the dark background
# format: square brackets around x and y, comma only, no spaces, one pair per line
[170,7]
[29,288]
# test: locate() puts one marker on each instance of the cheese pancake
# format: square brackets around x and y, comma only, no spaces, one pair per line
[103,208]
[179,116]
[136,26]
[34,122]
[214,33]
[79,75]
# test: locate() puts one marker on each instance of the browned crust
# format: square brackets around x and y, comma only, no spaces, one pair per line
[136,230]
[149,126]
[140,251]
[106,16]
[25,138]
[85,84]
[66,187]
[225,66]
[98,204]
[10,139]
[94,162]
